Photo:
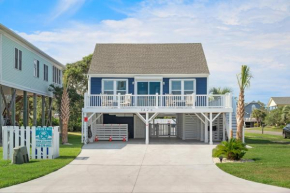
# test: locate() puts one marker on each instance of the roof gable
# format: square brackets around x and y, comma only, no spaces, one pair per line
[186,58]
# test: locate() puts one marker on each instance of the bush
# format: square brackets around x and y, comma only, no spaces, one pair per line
[233,149]
[256,125]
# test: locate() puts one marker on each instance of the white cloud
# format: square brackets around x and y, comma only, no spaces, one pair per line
[64,6]
[254,33]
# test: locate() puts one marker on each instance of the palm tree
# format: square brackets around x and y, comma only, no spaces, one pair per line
[65,111]
[219,90]
[285,114]
[244,79]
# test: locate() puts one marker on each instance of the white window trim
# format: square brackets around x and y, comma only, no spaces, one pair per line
[182,85]
[45,75]
[144,80]
[115,85]
[35,75]
[18,61]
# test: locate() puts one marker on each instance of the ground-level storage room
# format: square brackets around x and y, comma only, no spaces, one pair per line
[185,126]
[189,126]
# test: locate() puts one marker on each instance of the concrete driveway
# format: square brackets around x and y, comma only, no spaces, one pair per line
[125,167]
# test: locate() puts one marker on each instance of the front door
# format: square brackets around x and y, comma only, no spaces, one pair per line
[147,88]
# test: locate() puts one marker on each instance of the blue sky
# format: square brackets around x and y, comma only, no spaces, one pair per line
[233,33]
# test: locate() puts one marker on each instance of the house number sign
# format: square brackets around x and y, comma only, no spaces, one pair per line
[146,109]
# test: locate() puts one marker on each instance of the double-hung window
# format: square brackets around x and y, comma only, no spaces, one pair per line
[36,68]
[182,86]
[18,59]
[114,87]
[56,75]
[45,72]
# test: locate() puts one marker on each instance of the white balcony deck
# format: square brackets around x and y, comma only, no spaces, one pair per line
[157,103]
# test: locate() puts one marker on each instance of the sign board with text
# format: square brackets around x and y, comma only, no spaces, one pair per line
[43,136]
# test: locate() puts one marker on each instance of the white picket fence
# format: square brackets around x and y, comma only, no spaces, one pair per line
[14,136]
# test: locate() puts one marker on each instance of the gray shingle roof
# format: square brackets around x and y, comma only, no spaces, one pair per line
[185,58]
[281,100]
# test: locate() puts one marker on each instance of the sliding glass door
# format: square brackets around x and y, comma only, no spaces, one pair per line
[148,89]
[145,88]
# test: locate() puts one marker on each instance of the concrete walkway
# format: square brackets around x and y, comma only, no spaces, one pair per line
[127,167]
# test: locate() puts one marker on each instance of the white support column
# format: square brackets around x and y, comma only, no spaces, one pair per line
[230,125]
[210,129]
[85,130]
[206,130]
[201,131]
[82,138]
[147,129]
[224,126]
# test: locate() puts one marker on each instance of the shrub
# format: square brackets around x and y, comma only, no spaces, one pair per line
[233,149]
[256,125]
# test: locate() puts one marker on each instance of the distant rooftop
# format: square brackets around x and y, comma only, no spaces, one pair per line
[280,100]
[187,58]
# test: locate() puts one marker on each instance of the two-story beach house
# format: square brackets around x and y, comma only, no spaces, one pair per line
[25,71]
[130,85]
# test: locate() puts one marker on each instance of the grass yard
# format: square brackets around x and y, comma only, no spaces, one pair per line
[272,160]
[15,174]
[267,128]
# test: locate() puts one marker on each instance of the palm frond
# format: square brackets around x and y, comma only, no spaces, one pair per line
[219,90]
[244,77]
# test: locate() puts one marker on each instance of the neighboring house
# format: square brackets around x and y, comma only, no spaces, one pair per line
[133,84]
[249,120]
[275,102]
[25,71]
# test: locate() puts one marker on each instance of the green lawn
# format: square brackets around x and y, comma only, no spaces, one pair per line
[272,160]
[15,174]
[268,128]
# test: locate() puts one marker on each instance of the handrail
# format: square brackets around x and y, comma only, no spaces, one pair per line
[158,101]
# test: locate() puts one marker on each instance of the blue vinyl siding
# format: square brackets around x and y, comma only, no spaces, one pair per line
[201,85]
[131,85]
[166,86]
[96,85]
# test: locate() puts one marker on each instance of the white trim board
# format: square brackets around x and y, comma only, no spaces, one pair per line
[159,110]
[16,86]
[148,75]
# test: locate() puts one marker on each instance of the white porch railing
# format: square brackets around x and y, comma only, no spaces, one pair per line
[158,101]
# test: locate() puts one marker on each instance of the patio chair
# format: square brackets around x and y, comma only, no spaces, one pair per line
[127,100]
[169,100]
[106,101]
[189,100]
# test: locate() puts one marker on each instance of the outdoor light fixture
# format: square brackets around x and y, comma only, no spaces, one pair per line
[221,159]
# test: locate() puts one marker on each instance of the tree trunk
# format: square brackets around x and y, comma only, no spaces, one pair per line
[64,131]
[64,115]
[240,115]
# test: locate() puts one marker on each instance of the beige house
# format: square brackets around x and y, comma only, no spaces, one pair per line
[275,102]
